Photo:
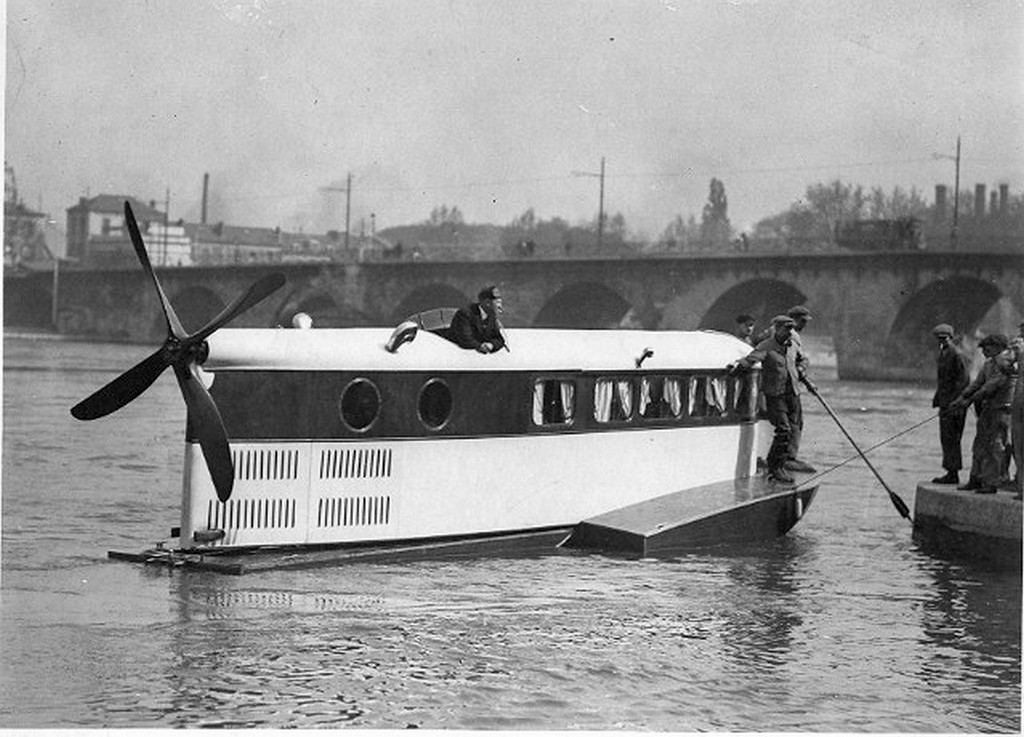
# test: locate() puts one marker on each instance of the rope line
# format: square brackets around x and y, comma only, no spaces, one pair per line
[853,458]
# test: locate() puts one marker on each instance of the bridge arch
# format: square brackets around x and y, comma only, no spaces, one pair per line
[583,305]
[427,297]
[325,311]
[195,307]
[971,305]
[763,299]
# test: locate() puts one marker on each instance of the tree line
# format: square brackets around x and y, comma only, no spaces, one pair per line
[811,223]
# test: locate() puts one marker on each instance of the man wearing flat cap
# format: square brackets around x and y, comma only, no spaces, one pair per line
[780,385]
[953,369]
[991,393]
[477,326]
[800,316]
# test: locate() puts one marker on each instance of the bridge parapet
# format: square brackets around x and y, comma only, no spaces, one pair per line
[878,307]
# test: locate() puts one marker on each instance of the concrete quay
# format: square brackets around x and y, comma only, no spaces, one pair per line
[983,527]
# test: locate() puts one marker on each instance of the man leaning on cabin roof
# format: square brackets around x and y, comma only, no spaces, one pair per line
[477,326]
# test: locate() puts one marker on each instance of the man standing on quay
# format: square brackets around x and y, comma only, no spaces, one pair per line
[991,392]
[953,376]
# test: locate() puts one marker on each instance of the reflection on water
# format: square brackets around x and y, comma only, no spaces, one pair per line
[843,625]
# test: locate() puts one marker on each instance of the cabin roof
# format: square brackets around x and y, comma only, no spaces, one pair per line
[530,349]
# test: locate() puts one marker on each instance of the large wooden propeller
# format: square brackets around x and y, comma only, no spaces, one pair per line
[184,352]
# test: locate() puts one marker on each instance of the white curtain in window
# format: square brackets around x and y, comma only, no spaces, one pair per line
[603,400]
[625,387]
[538,403]
[692,395]
[645,395]
[671,394]
[716,395]
[568,391]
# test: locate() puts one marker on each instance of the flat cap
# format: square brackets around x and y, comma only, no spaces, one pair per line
[943,329]
[783,320]
[799,311]
[996,339]
[491,292]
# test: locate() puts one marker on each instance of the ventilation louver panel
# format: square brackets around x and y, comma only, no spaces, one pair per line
[353,511]
[251,514]
[266,465]
[355,463]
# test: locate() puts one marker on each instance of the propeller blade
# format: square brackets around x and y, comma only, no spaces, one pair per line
[124,388]
[174,326]
[208,425]
[254,295]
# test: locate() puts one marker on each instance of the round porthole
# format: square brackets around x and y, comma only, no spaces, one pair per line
[435,405]
[360,404]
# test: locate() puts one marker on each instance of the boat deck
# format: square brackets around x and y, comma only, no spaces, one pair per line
[729,512]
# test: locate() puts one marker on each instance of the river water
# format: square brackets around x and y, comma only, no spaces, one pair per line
[842,625]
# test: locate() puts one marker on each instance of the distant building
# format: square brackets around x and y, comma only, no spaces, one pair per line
[168,245]
[220,244]
[96,232]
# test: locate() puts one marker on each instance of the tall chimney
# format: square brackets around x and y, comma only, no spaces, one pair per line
[940,202]
[993,204]
[206,189]
[1004,198]
[979,200]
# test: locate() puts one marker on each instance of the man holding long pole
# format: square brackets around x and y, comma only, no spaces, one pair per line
[780,384]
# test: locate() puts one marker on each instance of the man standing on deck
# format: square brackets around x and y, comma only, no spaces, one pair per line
[780,385]
[800,316]
[991,392]
[954,374]
[476,326]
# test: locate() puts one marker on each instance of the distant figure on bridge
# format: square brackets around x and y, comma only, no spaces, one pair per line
[745,328]
[953,369]
[780,385]
[991,393]
[477,326]
[800,316]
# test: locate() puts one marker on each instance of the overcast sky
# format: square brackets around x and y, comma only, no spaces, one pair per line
[492,106]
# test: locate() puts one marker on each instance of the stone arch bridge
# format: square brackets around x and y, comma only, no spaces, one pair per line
[878,307]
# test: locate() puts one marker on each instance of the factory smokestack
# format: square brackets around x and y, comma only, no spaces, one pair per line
[206,191]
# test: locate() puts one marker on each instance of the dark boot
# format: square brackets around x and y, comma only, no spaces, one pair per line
[951,477]
[971,485]
[779,475]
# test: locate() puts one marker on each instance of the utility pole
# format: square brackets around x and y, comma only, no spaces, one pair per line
[167,209]
[347,189]
[954,236]
[600,202]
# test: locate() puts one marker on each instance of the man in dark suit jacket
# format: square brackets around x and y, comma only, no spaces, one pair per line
[476,326]
[954,374]
[780,384]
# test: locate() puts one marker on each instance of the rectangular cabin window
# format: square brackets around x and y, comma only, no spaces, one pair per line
[661,397]
[613,400]
[707,396]
[554,401]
